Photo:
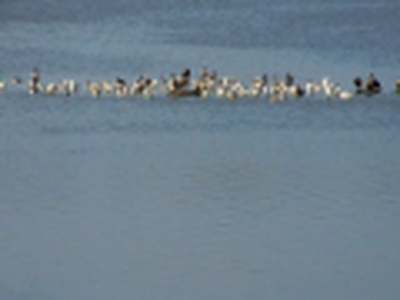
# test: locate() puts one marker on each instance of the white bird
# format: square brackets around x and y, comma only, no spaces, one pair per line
[2,85]
[265,90]
[257,85]
[63,87]
[240,90]
[149,88]
[345,95]
[220,91]
[95,89]
[72,86]
[32,89]
[51,88]
[312,88]
[328,88]
[2,82]
[106,87]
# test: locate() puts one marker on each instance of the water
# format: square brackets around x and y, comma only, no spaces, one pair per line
[199,199]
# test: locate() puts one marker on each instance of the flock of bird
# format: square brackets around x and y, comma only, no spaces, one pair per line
[204,85]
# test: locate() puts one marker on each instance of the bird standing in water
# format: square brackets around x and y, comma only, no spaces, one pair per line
[33,84]
[398,86]
[373,85]
[358,83]
[2,82]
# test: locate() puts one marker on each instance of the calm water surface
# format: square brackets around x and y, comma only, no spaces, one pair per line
[192,199]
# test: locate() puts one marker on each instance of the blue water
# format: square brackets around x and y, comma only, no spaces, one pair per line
[199,199]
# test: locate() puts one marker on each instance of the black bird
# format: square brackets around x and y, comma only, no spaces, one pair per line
[289,79]
[358,84]
[373,85]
